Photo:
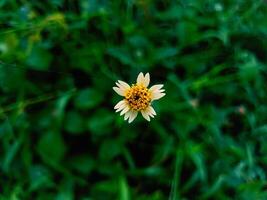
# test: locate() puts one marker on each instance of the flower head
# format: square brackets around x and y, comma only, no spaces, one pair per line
[137,98]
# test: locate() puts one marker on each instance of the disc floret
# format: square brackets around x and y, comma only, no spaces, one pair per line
[138,97]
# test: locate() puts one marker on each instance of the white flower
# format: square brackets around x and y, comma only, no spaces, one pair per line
[137,98]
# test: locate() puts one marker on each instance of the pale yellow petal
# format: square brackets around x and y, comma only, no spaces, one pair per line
[145,114]
[157,95]
[123,87]
[146,79]
[124,84]
[127,115]
[125,110]
[119,104]
[140,79]
[122,106]
[151,111]
[119,91]
[133,115]
[160,91]
[156,87]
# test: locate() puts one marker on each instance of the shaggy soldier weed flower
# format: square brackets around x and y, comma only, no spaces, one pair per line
[137,98]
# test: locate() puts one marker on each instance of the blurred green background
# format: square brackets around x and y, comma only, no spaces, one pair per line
[59,136]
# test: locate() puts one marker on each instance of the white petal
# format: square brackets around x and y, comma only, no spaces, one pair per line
[119,104]
[119,91]
[158,91]
[156,87]
[140,79]
[146,79]
[133,115]
[157,95]
[124,85]
[127,115]
[151,111]
[118,85]
[125,110]
[121,107]
[145,115]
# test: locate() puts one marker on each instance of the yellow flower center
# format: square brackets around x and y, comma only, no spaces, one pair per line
[138,97]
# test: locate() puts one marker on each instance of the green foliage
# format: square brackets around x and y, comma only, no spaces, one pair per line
[60,137]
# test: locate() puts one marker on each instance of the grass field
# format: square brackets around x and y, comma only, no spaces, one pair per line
[60,137]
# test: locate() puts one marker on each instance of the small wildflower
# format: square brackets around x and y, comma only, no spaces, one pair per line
[137,98]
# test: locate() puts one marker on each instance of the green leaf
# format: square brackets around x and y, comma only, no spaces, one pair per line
[164,53]
[40,178]
[88,98]
[124,193]
[121,54]
[39,58]
[74,122]
[51,147]
[109,149]
[83,164]
[100,122]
